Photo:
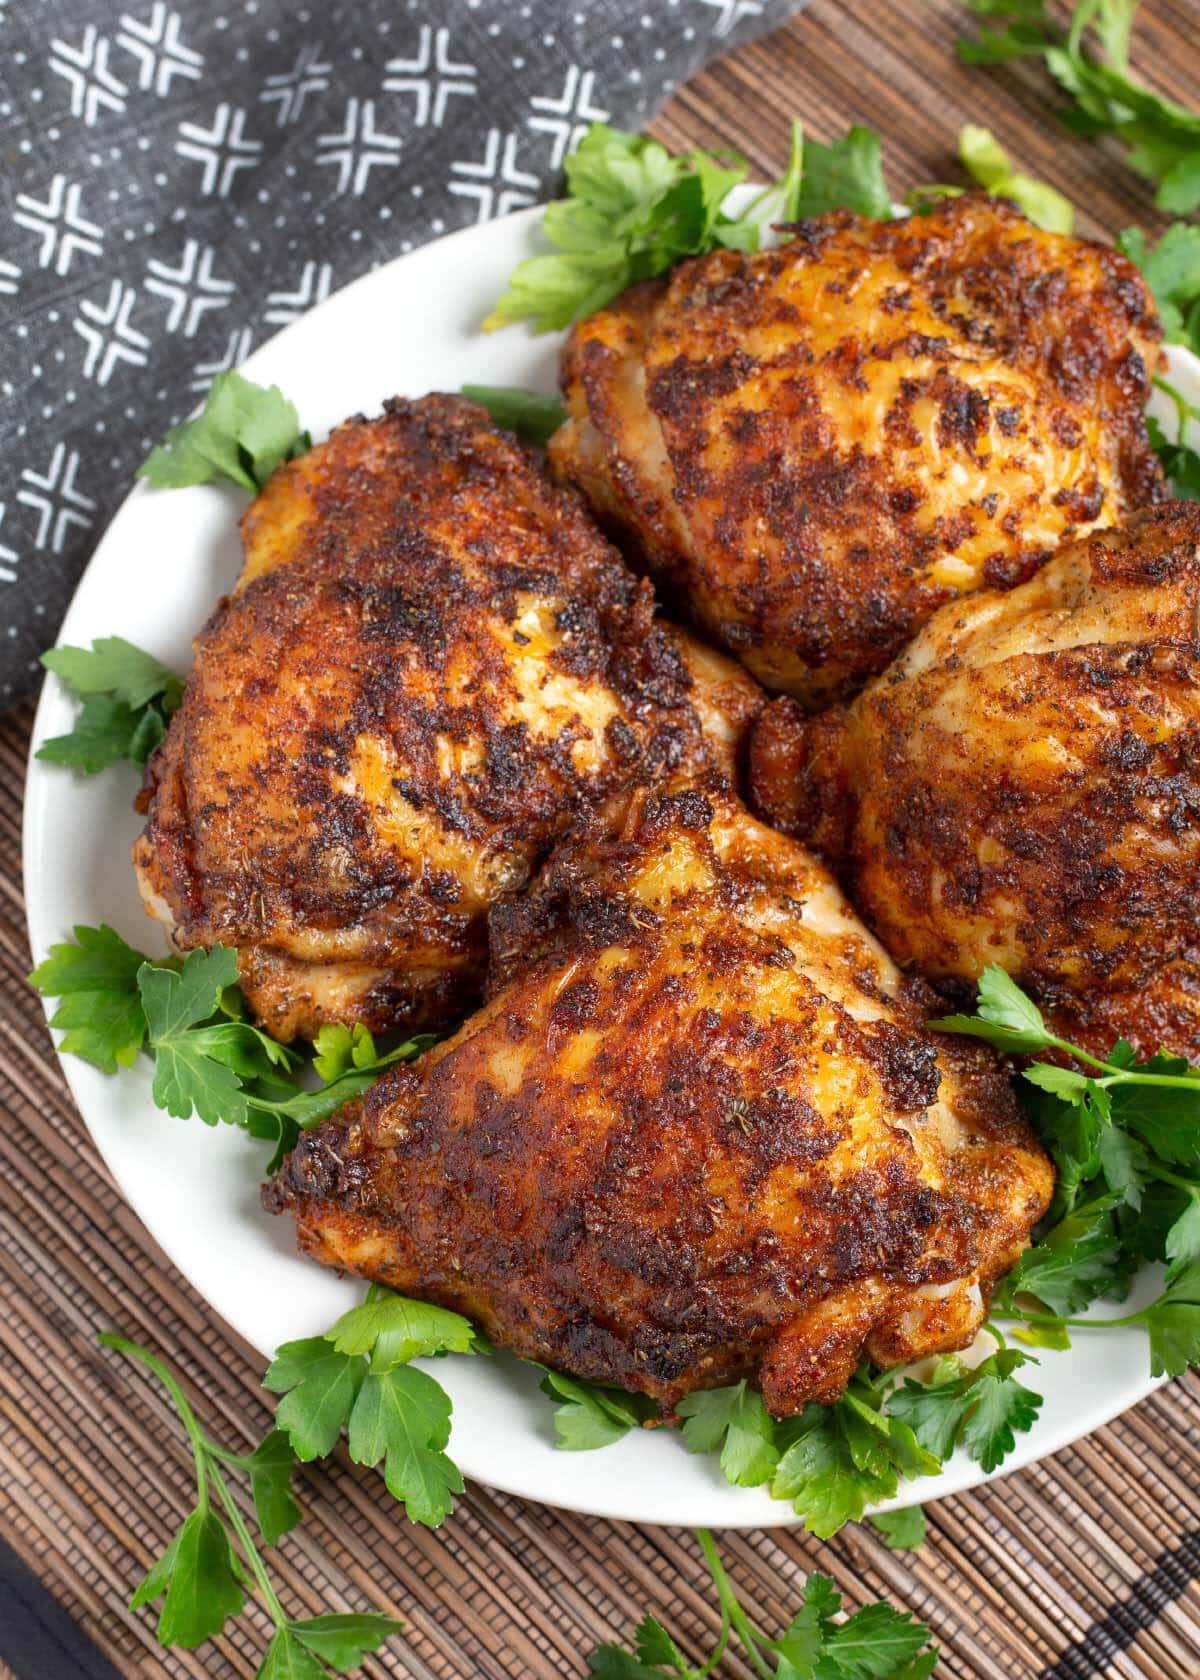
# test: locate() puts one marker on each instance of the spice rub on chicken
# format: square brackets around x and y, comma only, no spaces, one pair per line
[430,661]
[1022,787]
[698,1132]
[817,446]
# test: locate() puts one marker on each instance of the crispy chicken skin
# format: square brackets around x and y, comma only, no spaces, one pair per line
[816,446]
[1023,787]
[430,660]
[698,1132]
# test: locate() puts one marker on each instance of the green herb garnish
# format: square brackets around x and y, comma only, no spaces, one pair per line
[1180,461]
[902,1531]
[1172,272]
[1125,1138]
[209,1061]
[633,211]
[357,1379]
[589,1415]
[127,696]
[986,161]
[531,415]
[875,1643]
[1090,61]
[212,1565]
[243,432]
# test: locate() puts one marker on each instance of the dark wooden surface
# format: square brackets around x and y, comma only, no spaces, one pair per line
[1084,1565]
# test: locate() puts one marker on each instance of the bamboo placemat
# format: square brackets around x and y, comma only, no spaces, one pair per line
[1085,1565]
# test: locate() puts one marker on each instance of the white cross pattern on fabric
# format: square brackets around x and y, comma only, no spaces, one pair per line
[8,557]
[223,149]
[236,351]
[732,13]
[498,185]
[567,117]
[9,276]
[190,289]
[431,93]
[57,502]
[284,307]
[292,87]
[159,51]
[63,228]
[109,337]
[358,147]
[85,67]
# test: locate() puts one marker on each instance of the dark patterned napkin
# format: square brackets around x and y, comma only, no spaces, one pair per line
[182,179]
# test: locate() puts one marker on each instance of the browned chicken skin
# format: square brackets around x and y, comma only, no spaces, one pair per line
[431,659]
[817,446]
[1022,787]
[698,1132]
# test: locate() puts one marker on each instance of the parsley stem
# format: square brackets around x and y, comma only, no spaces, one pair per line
[1070,1323]
[195,1434]
[1164,1177]
[249,1549]
[1079,1054]
[1173,1081]
[729,1605]
[205,1454]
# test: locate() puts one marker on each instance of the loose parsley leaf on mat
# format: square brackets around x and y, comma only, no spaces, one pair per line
[243,432]
[212,1565]
[207,1060]
[590,1415]
[127,697]
[875,1643]
[533,416]
[902,1531]
[357,1378]
[1125,1138]
[1090,62]
[633,210]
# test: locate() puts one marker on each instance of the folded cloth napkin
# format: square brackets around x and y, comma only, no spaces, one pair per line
[182,179]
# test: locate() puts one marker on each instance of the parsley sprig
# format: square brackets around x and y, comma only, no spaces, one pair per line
[833,1461]
[1124,1134]
[126,698]
[357,1379]
[212,1565]
[875,1643]
[188,1016]
[633,211]
[243,432]
[1090,61]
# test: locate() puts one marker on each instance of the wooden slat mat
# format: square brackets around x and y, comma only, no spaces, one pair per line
[1084,1566]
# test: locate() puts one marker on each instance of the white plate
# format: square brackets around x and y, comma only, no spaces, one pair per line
[405,329]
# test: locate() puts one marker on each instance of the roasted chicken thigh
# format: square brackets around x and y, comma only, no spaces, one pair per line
[1023,787]
[818,445]
[430,661]
[698,1132]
